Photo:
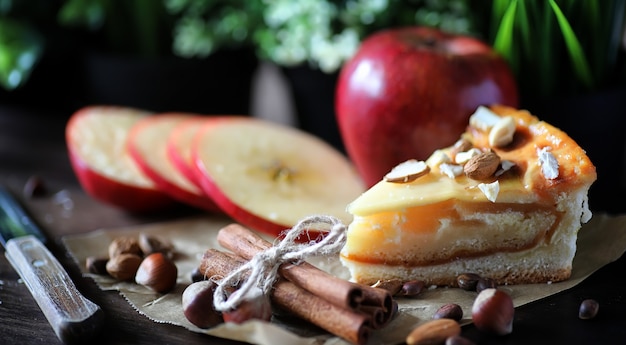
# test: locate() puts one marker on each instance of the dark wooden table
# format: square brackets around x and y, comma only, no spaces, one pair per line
[32,143]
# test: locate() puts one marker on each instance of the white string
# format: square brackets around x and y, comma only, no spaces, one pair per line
[263,267]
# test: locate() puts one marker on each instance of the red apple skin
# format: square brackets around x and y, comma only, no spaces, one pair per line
[190,197]
[131,198]
[177,152]
[409,91]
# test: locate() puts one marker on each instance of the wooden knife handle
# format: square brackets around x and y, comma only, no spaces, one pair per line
[73,317]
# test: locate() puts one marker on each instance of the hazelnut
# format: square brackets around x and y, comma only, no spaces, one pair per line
[433,332]
[124,245]
[258,308]
[588,309]
[198,304]
[449,311]
[493,312]
[197,275]
[157,272]
[123,266]
[152,244]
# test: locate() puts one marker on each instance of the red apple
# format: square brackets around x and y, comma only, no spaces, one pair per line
[147,144]
[179,146]
[96,142]
[268,176]
[409,91]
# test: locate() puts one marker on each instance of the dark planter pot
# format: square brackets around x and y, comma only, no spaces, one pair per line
[219,84]
[313,93]
[598,124]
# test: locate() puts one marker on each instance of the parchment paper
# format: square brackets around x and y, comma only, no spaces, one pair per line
[601,241]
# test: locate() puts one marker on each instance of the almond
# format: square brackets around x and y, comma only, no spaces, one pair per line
[433,332]
[407,171]
[482,166]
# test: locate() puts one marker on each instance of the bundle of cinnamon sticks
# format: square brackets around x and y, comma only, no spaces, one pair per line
[348,310]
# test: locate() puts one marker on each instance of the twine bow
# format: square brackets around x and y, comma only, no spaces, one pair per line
[263,267]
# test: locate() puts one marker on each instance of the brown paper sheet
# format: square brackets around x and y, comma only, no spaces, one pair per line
[601,241]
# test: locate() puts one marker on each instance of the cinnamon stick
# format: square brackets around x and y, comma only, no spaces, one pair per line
[348,324]
[338,291]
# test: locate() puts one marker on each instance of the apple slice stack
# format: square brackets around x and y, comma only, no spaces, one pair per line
[263,175]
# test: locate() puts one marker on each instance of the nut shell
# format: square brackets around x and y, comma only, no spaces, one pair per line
[493,312]
[123,266]
[157,272]
[124,245]
[198,304]
[153,244]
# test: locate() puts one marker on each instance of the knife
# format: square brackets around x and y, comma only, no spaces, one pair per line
[73,317]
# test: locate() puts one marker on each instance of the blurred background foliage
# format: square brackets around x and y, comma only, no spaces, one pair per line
[555,47]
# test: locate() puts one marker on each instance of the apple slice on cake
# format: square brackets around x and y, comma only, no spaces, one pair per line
[268,176]
[147,143]
[96,141]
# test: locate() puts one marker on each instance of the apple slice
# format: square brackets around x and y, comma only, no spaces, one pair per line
[96,142]
[147,144]
[268,176]
[179,146]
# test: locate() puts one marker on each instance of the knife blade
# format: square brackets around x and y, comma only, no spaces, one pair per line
[73,317]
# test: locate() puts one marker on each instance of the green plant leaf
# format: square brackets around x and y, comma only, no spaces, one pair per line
[503,42]
[88,13]
[524,26]
[574,49]
[20,50]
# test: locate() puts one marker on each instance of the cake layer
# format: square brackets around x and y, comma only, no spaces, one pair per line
[441,232]
[511,248]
